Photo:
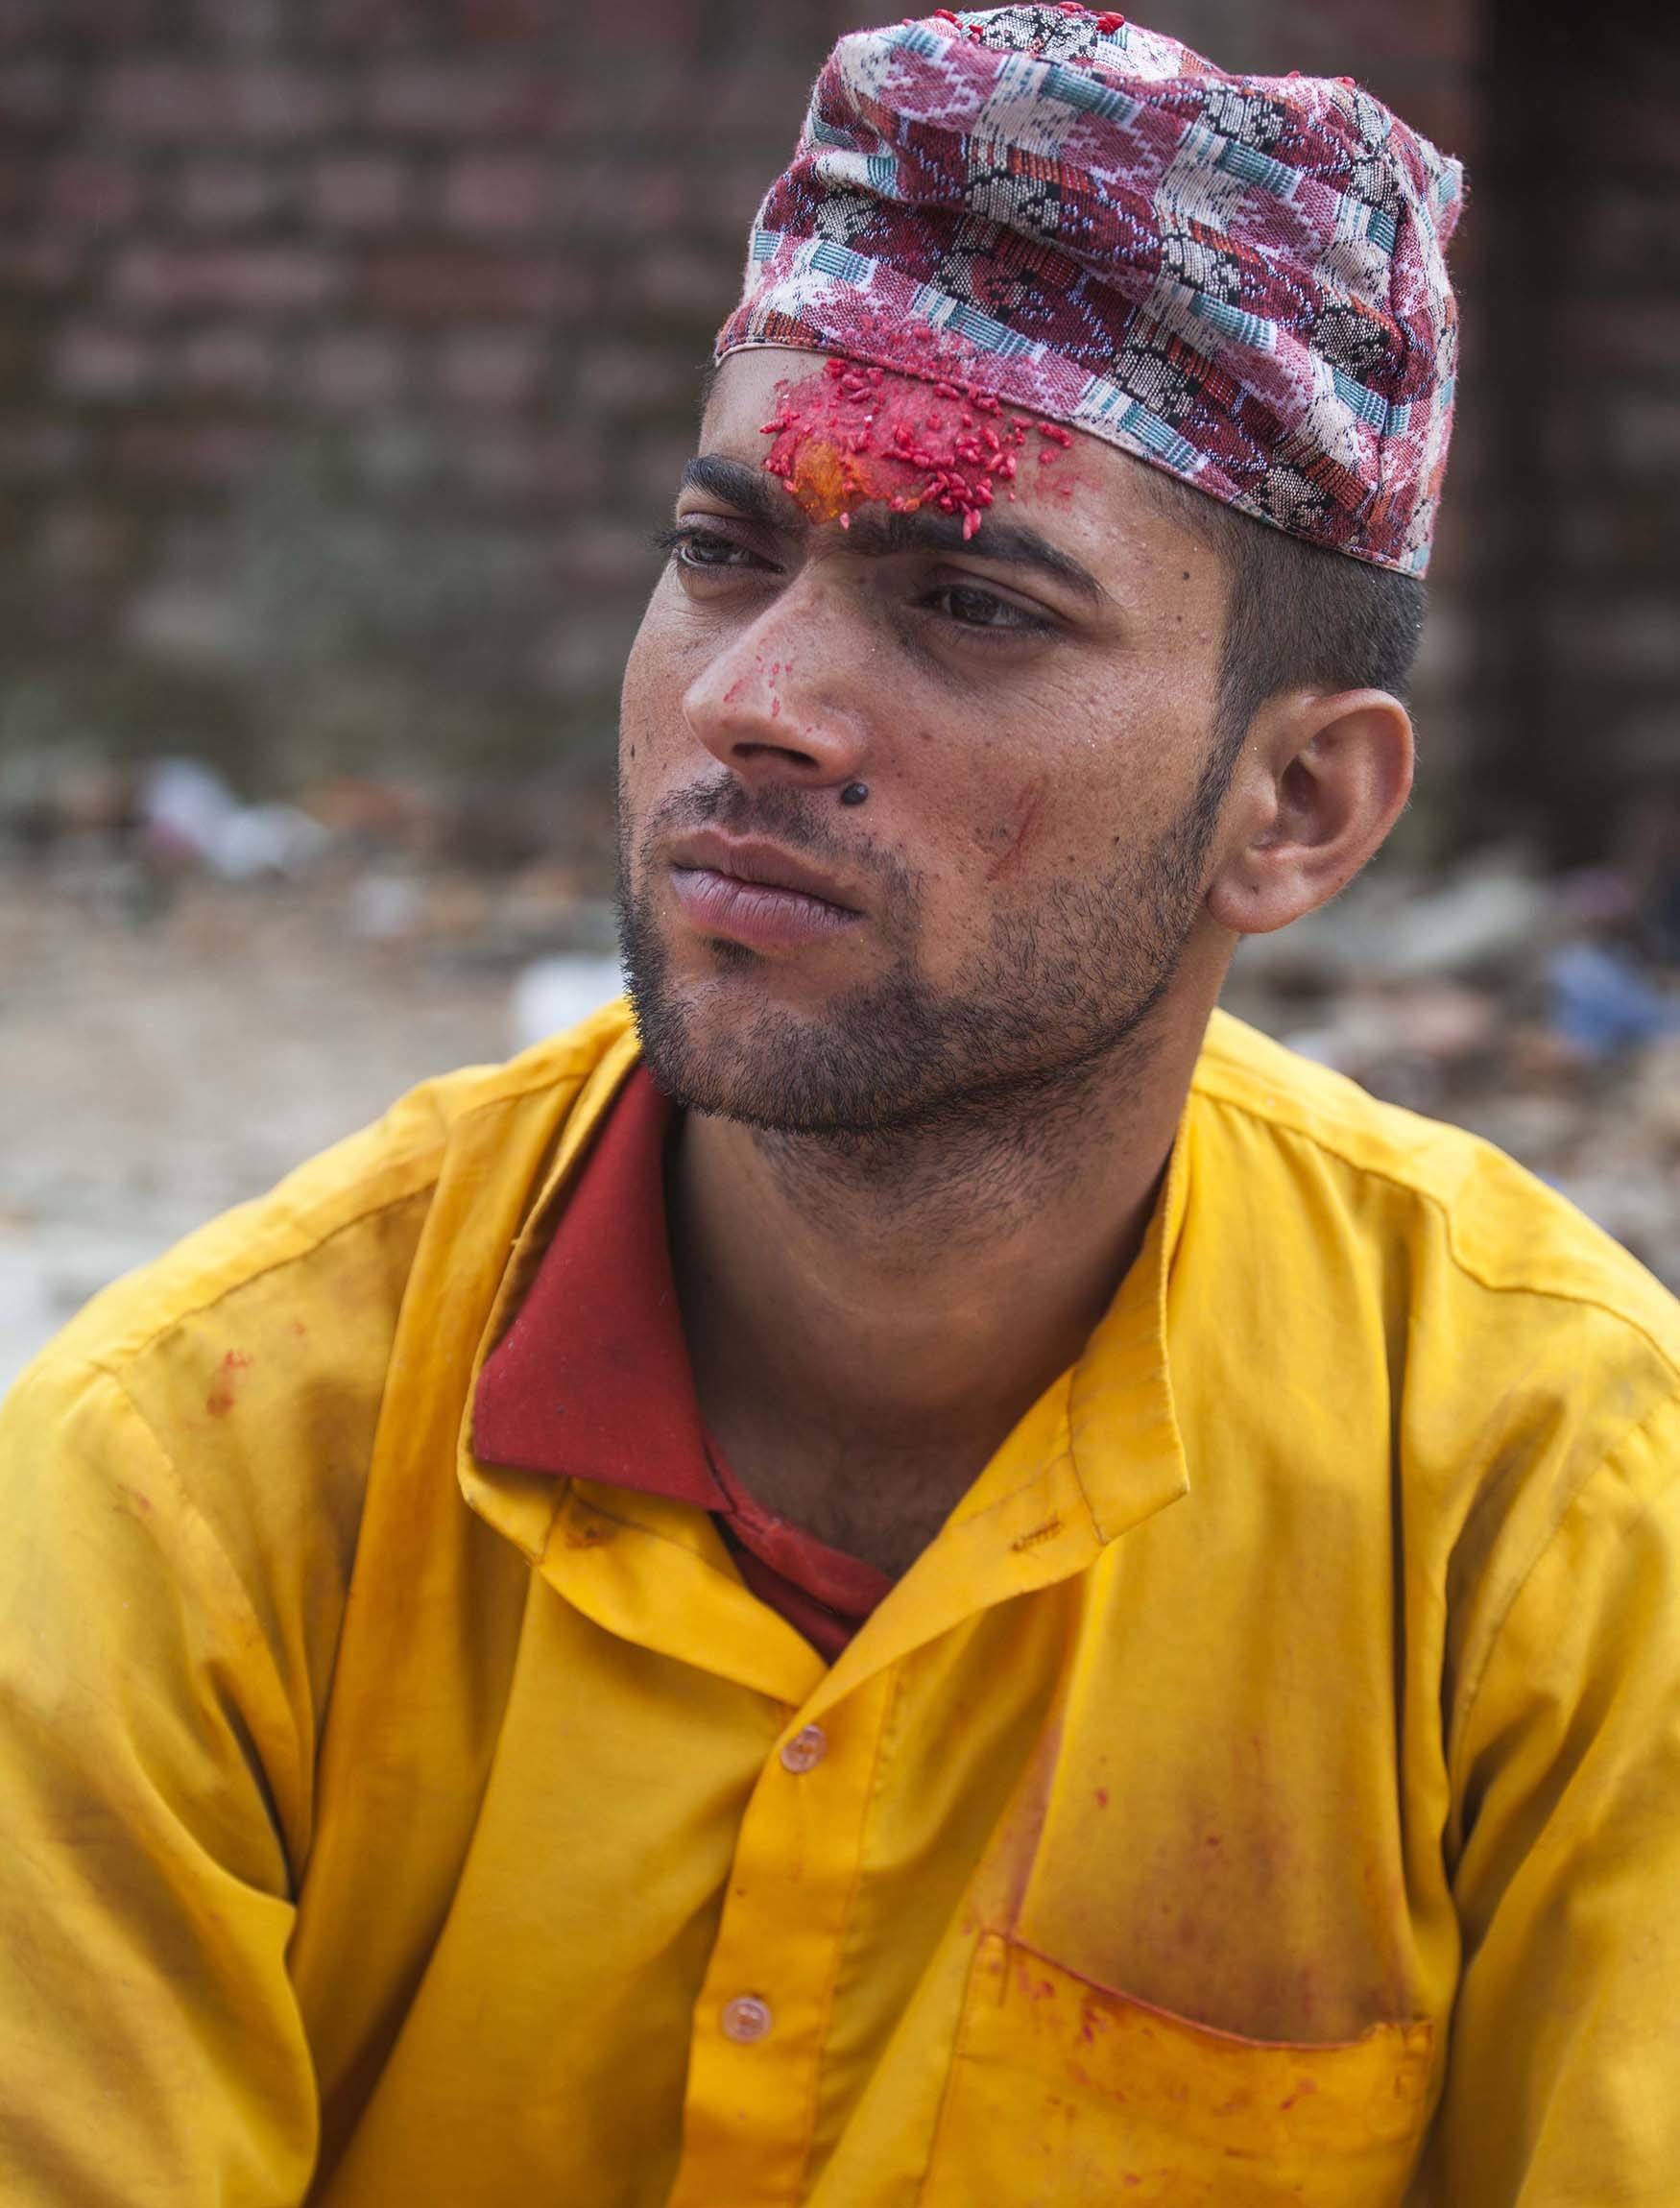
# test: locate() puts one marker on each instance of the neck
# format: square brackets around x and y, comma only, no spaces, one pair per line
[968,1186]
[905,1296]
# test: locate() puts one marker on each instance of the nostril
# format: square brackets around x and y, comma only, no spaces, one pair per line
[782,753]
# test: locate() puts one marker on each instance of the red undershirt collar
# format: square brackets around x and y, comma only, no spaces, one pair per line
[593,1380]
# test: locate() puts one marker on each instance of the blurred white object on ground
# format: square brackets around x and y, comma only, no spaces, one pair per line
[189,813]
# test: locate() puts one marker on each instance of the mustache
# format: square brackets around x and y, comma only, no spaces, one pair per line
[788,816]
[798,820]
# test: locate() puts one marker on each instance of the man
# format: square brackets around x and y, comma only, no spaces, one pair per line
[951,1579]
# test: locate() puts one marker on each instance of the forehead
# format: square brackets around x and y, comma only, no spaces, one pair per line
[1085,497]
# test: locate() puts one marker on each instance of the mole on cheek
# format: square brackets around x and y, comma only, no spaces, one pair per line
[848,434]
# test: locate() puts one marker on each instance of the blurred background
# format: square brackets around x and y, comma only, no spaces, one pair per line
[349,351]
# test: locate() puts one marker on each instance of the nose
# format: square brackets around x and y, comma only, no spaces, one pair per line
[773,707]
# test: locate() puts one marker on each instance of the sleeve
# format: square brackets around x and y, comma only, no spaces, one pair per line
[1562,2085]
[151,2049]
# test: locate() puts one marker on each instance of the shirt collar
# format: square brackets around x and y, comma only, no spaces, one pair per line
[592,1377]
[1124,1431]
[1104,1438]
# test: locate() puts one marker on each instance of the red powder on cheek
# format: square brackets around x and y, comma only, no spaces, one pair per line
[852,433]
[1027,809]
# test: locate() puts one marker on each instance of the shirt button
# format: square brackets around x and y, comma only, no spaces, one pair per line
[805,1750]
[746,2018]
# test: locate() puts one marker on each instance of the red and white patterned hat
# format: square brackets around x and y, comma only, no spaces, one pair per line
[1239,280]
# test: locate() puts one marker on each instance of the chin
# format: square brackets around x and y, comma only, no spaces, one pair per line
[720,1043]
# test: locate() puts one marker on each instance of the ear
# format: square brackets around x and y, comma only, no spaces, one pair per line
[1320,783]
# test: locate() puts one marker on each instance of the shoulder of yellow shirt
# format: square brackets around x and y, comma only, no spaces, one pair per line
[1504,1229]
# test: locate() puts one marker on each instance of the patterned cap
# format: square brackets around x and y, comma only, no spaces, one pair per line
[1239,280]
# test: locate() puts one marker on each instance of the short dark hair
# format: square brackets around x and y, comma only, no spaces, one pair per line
[1297,616]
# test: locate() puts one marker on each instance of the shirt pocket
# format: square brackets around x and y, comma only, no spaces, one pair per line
[1061,2091]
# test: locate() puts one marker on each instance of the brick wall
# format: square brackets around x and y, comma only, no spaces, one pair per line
[1577,681]
[348,349]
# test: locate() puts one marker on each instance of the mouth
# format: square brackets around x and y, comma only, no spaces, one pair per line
[755,894]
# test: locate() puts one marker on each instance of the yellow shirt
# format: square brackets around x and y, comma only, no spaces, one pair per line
[1266,1787]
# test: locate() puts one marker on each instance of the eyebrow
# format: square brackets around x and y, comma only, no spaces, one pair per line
[877,531]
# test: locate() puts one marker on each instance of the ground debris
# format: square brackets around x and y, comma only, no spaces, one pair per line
[190,1030]
[1543,1013]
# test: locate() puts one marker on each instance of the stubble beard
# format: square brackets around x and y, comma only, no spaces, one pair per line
[1056,1009]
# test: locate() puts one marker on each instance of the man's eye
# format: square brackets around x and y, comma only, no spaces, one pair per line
[972,608]
[701,548]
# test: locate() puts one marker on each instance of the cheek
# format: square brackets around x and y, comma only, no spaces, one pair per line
[651,728]
[1005,842]
[659,670]
[1023,818]
[987,820]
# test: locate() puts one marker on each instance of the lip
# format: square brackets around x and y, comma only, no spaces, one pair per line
[749,858]
[755,894]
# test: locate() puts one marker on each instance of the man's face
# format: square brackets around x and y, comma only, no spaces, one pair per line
[1028,699]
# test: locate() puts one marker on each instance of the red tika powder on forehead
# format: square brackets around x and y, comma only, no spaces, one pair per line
[852,433]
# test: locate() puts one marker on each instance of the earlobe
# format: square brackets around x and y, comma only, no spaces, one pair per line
[1323,781]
